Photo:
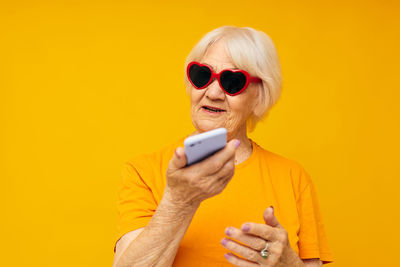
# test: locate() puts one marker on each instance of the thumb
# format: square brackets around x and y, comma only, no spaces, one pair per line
[178,159]
[270,219]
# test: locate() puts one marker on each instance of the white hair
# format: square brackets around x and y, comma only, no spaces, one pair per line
[250,50]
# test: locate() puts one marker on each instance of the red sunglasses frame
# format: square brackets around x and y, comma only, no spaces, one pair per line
[249,79]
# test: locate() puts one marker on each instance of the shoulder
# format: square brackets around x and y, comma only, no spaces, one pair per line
[283,168]
[153,160]
[277,161]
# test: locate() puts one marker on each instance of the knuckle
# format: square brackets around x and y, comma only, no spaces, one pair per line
[231,173]
[227,152]
[190,174]
[265,233]
[226,170]
[282,235]
[231,150]
[221,188]
[252,255]
[259,245]
[205,185]
[193,185]
[229,244]
[273,262]
[191,182]
[237,235]
[232,232]
[279,248]
[216,164]
[231,164]
[207,166]
[254,227]
[284,232]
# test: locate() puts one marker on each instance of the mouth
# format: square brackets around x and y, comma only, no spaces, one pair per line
[213,109]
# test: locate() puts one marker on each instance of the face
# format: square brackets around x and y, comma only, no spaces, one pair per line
[233,111]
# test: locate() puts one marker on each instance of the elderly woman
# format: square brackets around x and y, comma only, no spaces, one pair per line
[243,205]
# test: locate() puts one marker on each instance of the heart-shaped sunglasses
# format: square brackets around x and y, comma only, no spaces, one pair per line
[233,82]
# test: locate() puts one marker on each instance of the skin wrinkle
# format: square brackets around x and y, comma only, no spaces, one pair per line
[238,108]
[183,193]
[153,257]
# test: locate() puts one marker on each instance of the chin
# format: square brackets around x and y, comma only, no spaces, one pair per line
[206,125]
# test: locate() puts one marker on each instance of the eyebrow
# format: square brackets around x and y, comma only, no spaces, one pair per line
[224,68]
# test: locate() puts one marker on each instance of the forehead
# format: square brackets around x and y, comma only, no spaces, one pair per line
[217,56]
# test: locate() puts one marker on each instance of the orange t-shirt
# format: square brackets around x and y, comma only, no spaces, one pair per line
[264,179]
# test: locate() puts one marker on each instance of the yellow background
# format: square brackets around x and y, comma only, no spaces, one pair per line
[86,85]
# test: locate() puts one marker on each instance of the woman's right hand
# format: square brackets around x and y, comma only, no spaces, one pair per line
[189,185]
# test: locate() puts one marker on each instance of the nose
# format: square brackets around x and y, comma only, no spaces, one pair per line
[214,91]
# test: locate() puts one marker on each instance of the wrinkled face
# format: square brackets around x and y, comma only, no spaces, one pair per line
[233,111]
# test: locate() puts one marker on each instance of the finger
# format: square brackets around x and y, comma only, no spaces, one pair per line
[235,260]
[178,160]
[251,241]
[273,255]
[223,182]
[220,180]
[270,219]
[261,230]
[241,250]
[215,162]
[226,172]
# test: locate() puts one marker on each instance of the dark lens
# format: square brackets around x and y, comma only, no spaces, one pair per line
[232,82]
[199,75]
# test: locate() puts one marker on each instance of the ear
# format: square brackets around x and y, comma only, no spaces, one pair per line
[262,100]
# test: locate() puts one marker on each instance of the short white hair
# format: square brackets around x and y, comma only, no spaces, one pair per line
[250,50]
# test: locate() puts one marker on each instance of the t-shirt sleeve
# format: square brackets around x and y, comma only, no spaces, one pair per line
[313,242]
[136,203]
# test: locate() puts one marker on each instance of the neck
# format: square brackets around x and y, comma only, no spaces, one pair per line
[245,149]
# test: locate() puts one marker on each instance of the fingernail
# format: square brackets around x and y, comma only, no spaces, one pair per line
[237,143]
[224,241]
[246,228]
[226,256]
[228,231]
[272,207]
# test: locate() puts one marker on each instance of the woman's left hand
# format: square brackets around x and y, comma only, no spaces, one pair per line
[253,238]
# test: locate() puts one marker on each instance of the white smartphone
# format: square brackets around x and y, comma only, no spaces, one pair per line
[200,146]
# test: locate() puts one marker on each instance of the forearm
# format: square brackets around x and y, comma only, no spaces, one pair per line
[158,243]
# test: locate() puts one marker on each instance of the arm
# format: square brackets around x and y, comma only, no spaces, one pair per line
[157,243]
